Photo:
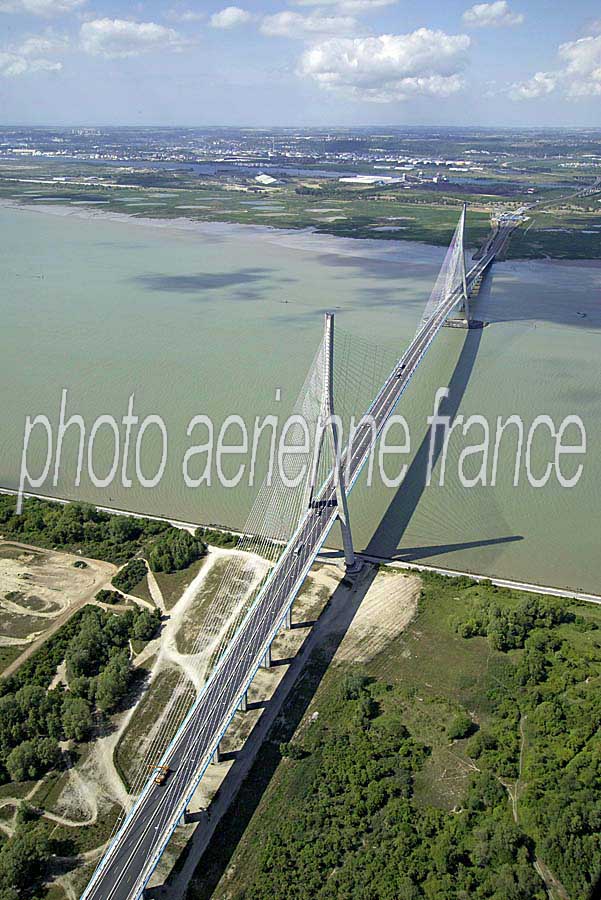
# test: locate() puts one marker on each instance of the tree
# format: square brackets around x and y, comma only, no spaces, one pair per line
[175,550]
[461,727]
[23,861]
[113,682]
[146,624]
[31,759]
[76,717]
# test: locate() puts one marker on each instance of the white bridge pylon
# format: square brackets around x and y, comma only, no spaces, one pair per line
[452,277]
[328,422]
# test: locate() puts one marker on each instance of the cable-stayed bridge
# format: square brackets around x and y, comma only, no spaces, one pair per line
[237,637]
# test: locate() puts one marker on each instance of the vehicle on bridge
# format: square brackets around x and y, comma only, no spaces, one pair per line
[162,773]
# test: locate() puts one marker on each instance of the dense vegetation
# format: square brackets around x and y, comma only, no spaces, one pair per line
[24,858]
[130,575]
[33,719]
[174,550]
[217,537]
[358,834]
[555,692]
[78,527]
[464,753]
[110,597]
[81,528]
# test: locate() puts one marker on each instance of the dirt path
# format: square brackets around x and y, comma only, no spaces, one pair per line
[155,591]
[100,575]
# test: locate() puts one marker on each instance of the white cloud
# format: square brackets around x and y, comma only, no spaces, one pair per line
[541,84]
[347,6]
[31,55]
[12,65]
[583,66]
[45,8]
[119,38]
[230,17]
[486,15]
[389,67]
[45,44]
[579,77]
[185,15]
[295,25]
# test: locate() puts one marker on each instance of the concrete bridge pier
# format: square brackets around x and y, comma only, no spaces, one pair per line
[243,707]
[288,621]
[189,818]
[266,661]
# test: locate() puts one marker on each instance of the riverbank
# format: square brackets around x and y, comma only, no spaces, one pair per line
[327,556]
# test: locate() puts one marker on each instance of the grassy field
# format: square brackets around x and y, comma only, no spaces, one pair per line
[390,212]
[132,744]
[425,680]
[173,584]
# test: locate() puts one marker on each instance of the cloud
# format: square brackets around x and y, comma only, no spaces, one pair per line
[185,15]
[230,17]
[541,84]
[583,66]
[120,38]
[12,65]
[31,55]
[486,15]
[389,67]
[580,76]
[44,8]
[295,25]
[347,6]
[42,44]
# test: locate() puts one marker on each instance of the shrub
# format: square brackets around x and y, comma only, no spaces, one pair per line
[461,727]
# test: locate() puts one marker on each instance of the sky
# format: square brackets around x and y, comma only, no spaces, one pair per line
[300,62]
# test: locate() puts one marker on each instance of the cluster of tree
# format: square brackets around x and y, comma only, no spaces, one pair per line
[217,538]
[174,550]
[130,575]
[24,858]
[78,527]
[551,685]
[34,719]
[32,722]
[352,828]
[110,597]
[98,659]
[507,627]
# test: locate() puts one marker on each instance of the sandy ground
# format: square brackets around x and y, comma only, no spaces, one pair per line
[56,586]
[386,610]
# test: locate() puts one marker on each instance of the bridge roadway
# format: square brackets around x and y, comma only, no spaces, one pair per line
[143,836]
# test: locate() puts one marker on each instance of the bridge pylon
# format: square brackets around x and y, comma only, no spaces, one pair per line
[328,422]
[464,303]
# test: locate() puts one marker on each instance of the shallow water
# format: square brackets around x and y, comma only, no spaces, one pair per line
[214,319]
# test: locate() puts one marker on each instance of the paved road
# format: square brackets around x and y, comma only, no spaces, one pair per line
[133,855]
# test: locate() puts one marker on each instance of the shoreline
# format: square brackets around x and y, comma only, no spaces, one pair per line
[334,554]
[384,249]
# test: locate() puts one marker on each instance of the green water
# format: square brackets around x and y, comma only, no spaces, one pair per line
[213,320]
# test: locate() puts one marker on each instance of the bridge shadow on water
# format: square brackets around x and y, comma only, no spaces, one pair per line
[389,532]
[308,668]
